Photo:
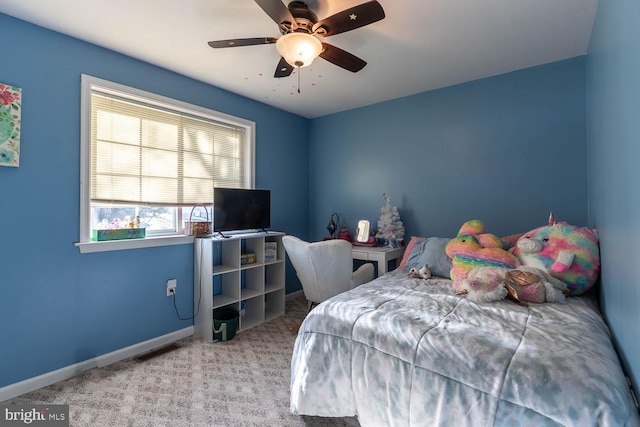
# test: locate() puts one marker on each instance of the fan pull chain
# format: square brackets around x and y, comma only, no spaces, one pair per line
[298,79]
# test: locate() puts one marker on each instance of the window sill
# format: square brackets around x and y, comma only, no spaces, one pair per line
[119,245]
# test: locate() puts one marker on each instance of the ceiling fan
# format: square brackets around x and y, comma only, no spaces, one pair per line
[300,29]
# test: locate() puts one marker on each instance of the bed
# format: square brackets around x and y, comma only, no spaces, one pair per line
[400,351]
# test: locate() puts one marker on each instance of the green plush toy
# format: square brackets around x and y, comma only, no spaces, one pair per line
[472,248]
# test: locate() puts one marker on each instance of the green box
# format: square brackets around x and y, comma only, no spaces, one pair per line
[117,234]
[249,258]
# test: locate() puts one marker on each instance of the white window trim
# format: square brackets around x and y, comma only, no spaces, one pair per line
[86,245]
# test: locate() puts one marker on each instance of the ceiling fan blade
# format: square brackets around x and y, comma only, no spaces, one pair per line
[279,13]
[342,58]
[349,19]
[283,69]
[242,42]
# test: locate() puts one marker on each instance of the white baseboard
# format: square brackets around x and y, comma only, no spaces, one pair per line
[31,384]
[293,295]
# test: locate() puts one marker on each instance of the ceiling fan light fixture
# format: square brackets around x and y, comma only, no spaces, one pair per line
[299,49]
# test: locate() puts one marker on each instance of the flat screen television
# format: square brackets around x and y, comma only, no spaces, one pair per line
[236,209]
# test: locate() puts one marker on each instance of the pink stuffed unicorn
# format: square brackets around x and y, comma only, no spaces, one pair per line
[566,252]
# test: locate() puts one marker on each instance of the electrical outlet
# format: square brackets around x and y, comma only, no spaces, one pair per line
[171,286]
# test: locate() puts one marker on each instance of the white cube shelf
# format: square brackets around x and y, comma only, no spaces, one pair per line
[222,281]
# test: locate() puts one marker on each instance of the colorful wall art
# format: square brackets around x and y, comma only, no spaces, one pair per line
[10,105]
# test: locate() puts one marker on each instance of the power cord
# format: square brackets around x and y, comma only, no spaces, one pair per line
[173,293]
[178,313]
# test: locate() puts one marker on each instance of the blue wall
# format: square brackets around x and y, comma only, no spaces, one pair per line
[506,150]
[60,307]
[613,100]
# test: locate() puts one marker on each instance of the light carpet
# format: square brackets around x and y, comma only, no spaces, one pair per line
[241,382]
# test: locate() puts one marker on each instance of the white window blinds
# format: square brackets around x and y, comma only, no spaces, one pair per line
[146,154]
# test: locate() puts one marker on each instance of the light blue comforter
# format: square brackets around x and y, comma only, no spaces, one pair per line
[408,352]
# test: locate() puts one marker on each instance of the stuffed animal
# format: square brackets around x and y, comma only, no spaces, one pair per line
[474,248]
[531,284]
[564,251]
[483,284]
[522,284]
[423,273]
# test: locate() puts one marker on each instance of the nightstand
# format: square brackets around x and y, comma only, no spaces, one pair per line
[380,254]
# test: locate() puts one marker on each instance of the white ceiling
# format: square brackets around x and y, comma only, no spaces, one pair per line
[420,45]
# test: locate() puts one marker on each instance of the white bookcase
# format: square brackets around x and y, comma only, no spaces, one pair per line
[221,280]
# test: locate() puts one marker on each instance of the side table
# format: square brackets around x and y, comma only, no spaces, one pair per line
[380,254]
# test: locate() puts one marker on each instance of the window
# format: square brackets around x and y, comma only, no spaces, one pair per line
[148,160]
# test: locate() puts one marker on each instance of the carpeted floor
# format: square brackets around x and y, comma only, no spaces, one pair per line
[241,382]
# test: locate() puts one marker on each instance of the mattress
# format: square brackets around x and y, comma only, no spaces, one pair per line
[400,351]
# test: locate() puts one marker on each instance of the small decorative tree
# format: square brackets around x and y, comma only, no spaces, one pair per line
[390,228]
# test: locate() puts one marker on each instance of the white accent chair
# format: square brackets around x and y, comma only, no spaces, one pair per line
[325,268]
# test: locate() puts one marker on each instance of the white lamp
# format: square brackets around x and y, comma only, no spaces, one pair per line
[299,49]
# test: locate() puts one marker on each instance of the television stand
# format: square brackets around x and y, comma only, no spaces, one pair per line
[256,290]
[222,235]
